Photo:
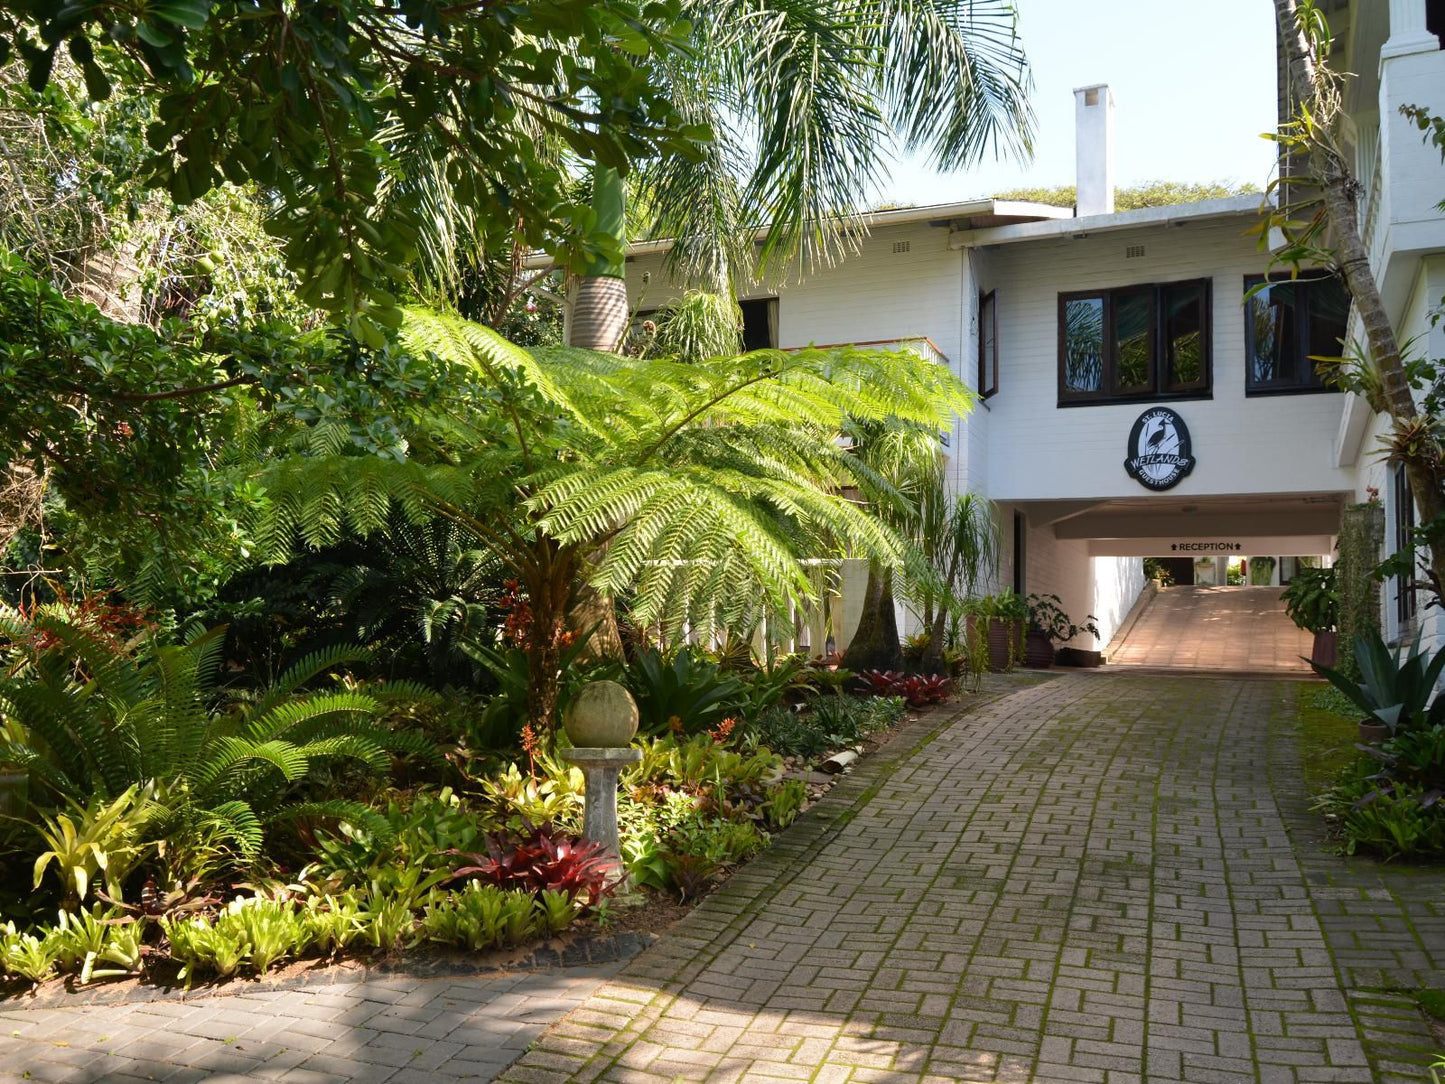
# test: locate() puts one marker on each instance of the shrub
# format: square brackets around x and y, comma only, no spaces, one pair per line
[1311,600]
[89,721]
[686,692]
[833,723]
[584,872]
[917,690]
[690,855]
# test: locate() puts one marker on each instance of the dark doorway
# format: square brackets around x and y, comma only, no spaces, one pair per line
[760,323]
[1180,569]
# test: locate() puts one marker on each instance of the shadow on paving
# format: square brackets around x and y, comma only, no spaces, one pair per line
[393,1029]
[1086,879]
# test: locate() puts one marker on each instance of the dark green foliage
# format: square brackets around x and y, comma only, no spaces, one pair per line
[683,692]
[690,855]
[834,722]
[88,719]
[1390,818]
[326,106]
[1311,599]
[1362,532]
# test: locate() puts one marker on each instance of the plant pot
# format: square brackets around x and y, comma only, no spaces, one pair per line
[1373,733]
[1077,656]
[1002,636]
[1038,650]
[1325,650]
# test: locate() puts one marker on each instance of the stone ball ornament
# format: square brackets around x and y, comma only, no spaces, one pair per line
[602,715]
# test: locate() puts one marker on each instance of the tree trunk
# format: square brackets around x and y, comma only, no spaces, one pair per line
[875,643]
[593,614]
[599,309]
[931,662]
[549,583]
[1338,193]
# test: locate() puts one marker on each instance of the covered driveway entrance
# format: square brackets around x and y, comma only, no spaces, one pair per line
[1226,628]
[1213,628]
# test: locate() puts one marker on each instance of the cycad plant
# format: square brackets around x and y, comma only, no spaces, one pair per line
[693,489]
[91,720]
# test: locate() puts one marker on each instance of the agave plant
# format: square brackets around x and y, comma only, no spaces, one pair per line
[1398,686]
[92,723]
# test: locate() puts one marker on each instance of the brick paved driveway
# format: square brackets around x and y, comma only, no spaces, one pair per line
[399,1030]
[1086,880]
[1098,877]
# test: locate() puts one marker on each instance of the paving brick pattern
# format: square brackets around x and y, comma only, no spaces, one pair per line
[395,1030]
[1099,877]
[1088,880]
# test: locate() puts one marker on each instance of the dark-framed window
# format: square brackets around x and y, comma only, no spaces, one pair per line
[1286,323]
[1135,343]
[988,344]
[1403,501]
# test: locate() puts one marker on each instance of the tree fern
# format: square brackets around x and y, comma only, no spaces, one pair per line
[694,489]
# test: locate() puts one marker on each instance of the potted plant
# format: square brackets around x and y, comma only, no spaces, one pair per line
[1048,625]
[1006,614]
[1313,604]
[1397,689]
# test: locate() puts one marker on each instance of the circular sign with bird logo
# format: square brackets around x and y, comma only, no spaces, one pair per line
[1159,451]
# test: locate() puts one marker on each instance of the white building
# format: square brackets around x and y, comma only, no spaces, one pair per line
[1095,336]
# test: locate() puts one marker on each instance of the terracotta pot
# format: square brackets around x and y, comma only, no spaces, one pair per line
[1372,733]
[1325,651]
[1002,635]
[602,715]
[1038,650]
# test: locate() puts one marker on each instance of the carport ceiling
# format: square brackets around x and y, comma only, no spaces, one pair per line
[1145,517]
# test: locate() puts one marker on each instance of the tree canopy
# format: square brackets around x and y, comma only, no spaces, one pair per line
[327,106]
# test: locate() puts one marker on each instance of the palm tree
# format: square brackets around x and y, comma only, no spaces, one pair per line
[898,459]
[806,101]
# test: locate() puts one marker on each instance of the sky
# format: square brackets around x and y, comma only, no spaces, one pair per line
[1193,88]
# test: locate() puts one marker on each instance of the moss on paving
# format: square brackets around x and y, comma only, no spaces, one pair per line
[1326,738]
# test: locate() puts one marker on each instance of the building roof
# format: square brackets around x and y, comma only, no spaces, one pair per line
[1174,214]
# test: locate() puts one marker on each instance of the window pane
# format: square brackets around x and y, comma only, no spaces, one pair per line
[987,347]
[1084,344]
[1134,340]
[1272,343]
[1328,308]
[1184,334]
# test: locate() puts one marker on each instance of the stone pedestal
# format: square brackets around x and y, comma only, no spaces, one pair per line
[600,768]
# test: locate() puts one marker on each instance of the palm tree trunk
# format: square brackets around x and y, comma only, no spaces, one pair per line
[1338,193]
[599,308]
[875,643]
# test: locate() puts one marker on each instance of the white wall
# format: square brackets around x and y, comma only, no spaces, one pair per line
[1039,450]
[1117,583]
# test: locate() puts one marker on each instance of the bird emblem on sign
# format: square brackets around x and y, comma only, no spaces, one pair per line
[1160,455]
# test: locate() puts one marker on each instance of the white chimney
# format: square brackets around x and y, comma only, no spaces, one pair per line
[1094,150]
